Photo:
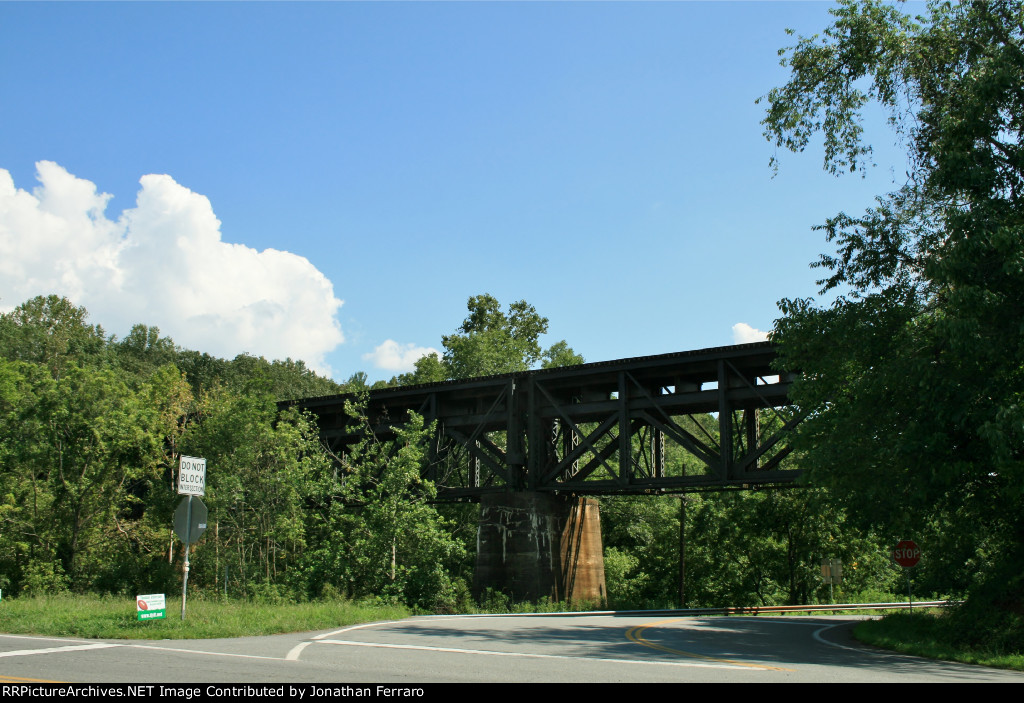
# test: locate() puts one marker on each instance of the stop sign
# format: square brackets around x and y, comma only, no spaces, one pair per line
[190,530]
[906,553]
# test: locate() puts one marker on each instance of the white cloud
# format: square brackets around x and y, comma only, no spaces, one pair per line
[161,263]
[392,356]
[742,333]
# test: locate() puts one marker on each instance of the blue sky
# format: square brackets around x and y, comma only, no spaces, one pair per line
[265,161]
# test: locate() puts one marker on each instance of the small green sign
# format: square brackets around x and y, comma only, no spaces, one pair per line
[151,607]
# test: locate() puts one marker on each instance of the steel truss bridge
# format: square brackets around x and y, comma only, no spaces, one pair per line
[687,421]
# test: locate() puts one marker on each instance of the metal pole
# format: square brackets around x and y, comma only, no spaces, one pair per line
[188,541]
[682,551]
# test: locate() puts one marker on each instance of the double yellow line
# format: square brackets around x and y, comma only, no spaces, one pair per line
[635,634]
[19,679]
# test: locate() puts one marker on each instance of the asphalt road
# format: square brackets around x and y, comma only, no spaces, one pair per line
[541,648]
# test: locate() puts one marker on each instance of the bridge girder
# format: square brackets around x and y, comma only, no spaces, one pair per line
[593,429]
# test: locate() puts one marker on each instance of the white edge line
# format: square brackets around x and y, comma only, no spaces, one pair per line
[354,627]
[859,650]
[294,652]
[198,651]
[42,637]
[57,650]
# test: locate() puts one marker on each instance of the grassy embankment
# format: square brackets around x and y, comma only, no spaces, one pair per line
[925,634]
[108,617]
[932,634]
[115,617]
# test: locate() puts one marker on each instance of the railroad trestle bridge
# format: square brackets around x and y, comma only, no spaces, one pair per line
[595,428]
[532,446]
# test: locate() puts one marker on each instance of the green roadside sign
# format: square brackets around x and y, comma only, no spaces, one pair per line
[151,607]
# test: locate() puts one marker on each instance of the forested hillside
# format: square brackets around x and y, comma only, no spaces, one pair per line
[92,428]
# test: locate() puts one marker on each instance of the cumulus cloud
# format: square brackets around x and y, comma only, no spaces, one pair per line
[742,333]
[392,356]
[161,263]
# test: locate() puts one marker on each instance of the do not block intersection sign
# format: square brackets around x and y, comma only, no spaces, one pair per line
[192,476]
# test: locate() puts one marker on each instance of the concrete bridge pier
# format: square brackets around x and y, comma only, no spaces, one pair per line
[536,545]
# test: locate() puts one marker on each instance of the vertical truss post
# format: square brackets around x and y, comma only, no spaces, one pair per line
[658,452]
[521,461]
[435,454]
[473,470]
[552,428]
[750,419]
[570,440]
[724,423]
[434,457]
[625,438]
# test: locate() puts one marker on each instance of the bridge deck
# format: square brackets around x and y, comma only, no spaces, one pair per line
[645,424]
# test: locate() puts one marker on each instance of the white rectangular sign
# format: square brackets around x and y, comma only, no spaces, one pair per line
[192,476]
[151,607]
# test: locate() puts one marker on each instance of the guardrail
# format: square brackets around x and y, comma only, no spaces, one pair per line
[752,610]
[755,610]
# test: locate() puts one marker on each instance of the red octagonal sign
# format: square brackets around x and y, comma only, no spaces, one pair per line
[906,553]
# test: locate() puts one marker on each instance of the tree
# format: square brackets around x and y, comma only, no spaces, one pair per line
[379,533]
[262,464]
[428,369]
[915,375]
[560,354]
[144,350]
[52,331]
[490,342]
[78,453]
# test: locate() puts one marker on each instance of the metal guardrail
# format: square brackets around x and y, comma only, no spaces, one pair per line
[755,610]
[752,610]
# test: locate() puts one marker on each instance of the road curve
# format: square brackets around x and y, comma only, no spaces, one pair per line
[535,648]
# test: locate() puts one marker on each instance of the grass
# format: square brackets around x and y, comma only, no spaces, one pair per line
[98,617]
[931,634]
[927,634]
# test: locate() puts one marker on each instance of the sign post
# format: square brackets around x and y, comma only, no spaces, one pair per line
[907,554]
[831,572]
[191,482]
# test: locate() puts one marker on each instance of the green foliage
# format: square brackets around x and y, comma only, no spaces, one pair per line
[428,369]
[993,640]
[741,548]
[91,432]
[265,463]
[79,451]
[144,350]
[52,332]
[560,354]
[490,342]
[914,376]
[284,380]
[115,617]
[766,548]
[641,538]
[399,547]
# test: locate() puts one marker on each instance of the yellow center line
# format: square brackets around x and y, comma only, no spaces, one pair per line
[635,634]
[12,679]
